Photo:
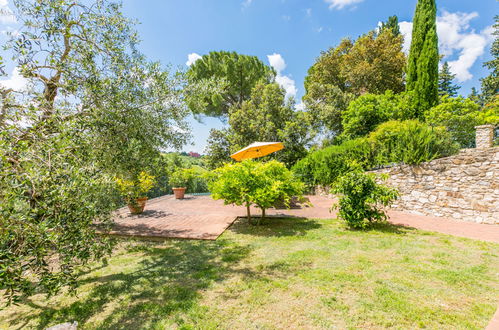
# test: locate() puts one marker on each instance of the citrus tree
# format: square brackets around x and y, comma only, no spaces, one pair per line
[254,183]
[362,198]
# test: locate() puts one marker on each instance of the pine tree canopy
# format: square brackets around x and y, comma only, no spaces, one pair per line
[393,24]
[445,82]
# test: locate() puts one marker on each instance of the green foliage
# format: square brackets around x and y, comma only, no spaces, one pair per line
[95,110]
[422,68]
[366,112]
[323,167]
[326,104]
[460,116]
[266,116]
[445,82]
[391,24]
[218,148]
[181,177]
[410,142]
[135,187]
[490,84]
[172,162]
[255,183]
[49,199]
[361,199]
[237,73]
[374,63]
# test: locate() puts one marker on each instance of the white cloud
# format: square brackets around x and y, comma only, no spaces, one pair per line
[406,30]
[458,42]
[15,82]
[247,3]
[309,12]
[6,14]
[288,84]
[300,106]
[191,58]
[277,62]
[340,4]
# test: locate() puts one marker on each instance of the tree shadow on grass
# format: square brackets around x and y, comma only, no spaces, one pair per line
[275,226]
[386,227]
[167,280]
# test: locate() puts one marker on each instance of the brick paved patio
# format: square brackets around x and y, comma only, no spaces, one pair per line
[196,217]
[201,217]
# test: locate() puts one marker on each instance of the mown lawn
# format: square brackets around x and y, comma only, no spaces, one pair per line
[288,273]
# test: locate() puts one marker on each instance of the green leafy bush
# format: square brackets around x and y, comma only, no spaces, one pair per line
[193,179]
[135,188]
[410,142]
[325,166]
[361,199]
[254,183]
[368,111]
[181,177]
[460,116]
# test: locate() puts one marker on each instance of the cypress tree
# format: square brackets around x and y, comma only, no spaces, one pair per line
[445,85]
[422,69]
[490,84]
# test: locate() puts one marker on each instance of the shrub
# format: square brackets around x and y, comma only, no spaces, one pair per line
[361,199]
[135,188]
[181,177]
[198,183]
[325,166]
[459,116]
[410,142]
[193,179]
[368,111]
[254,183]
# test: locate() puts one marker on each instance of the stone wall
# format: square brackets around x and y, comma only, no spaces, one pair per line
[463,187]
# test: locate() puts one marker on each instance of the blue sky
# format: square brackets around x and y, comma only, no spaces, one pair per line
[296,31]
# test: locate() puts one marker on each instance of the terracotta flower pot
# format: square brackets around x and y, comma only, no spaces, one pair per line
[137,206]
[179,193]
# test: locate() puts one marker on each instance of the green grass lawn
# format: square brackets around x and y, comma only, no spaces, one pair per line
[287,273]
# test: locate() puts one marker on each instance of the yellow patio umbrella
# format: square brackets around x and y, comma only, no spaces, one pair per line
[257,150]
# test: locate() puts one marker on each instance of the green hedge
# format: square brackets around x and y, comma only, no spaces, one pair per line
[408,142]
[324,166]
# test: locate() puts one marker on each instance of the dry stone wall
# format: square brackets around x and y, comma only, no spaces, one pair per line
[464,186]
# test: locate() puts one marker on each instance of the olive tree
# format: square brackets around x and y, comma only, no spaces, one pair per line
[93,108]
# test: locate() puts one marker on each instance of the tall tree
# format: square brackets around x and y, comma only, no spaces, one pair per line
[235,73]
[475,96]
[266,116]
[391,24]
[218,148]
[422,68]
[374,63]
[490,84]
[445,82]
[95,108]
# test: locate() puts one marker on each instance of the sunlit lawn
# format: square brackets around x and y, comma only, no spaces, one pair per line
[288,273]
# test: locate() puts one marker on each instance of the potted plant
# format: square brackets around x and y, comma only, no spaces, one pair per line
[179,181]
[134,191]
